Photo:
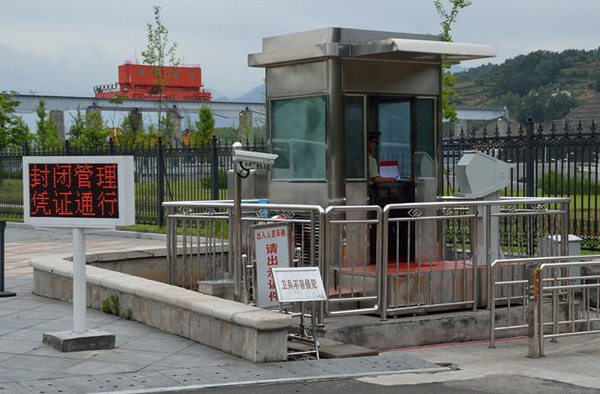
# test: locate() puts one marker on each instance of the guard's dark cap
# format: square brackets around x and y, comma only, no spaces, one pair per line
[374,135]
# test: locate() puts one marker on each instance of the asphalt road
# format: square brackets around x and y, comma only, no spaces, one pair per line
[496,384]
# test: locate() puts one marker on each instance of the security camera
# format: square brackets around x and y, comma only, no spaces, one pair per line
[254,157]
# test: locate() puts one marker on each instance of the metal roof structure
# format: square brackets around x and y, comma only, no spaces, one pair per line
[366,44]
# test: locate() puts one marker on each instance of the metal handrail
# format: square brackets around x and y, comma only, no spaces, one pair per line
[458,203]
[332,224]
[457,210]
[470,214]
[225,212]
[493,284]
[537,281]
[561,263]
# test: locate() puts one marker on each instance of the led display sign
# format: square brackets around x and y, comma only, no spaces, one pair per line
[78,191]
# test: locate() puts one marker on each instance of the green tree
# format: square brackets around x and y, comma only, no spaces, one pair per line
[116,100]
[20,132]
[449,96]
[161,55]
[131,130]
[205,126]
[95,131]
[166,133]
[77,127]
[511,101]
[545,105]
[13,130]
[47,131]
[166,127]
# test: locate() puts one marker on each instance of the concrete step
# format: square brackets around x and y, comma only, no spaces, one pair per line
[328,348]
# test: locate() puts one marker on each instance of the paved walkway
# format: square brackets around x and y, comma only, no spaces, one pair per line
[145,358]
[148,360]
[574,361]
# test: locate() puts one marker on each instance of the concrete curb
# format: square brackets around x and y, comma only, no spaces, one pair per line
[242,330]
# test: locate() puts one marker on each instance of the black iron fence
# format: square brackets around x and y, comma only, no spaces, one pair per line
[162,173]
[558,159]
[551,160]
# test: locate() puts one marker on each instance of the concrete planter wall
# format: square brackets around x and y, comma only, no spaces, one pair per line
[208,263]
[252,333]
[145,263]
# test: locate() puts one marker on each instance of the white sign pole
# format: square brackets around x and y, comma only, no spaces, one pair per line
[80,193]
[79,280]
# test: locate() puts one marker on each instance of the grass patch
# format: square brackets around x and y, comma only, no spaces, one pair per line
[145,228]
[110,305]
[6,218]
[11,191]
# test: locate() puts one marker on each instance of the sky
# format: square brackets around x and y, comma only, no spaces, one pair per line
[66,47]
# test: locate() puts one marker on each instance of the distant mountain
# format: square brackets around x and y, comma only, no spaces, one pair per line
[216,95]
[590,109]
[256,95]
[542,84]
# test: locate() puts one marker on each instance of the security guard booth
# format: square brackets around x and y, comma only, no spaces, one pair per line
[327,89]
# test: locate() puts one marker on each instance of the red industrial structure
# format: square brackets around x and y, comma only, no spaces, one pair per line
[140,81]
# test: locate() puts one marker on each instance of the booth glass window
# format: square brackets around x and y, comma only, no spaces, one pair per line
[355,141]
[298,136]
[394,123]
[425,149]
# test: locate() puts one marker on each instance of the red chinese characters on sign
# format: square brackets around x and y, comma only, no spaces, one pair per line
[75,190]
[270,233]
[295,284]
[272,251]
[272,261]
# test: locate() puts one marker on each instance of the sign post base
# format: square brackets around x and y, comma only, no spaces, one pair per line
[70,341]
[7,294]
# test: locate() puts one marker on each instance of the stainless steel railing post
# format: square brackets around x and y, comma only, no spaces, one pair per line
[492,286]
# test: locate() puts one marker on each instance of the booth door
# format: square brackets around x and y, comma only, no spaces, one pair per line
[392,117]
[406,150]
[407,144]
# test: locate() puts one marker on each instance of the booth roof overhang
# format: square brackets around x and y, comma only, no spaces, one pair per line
[395,47]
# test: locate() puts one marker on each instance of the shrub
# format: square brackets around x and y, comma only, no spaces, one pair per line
[222,180]
[111,305]
[552,182]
